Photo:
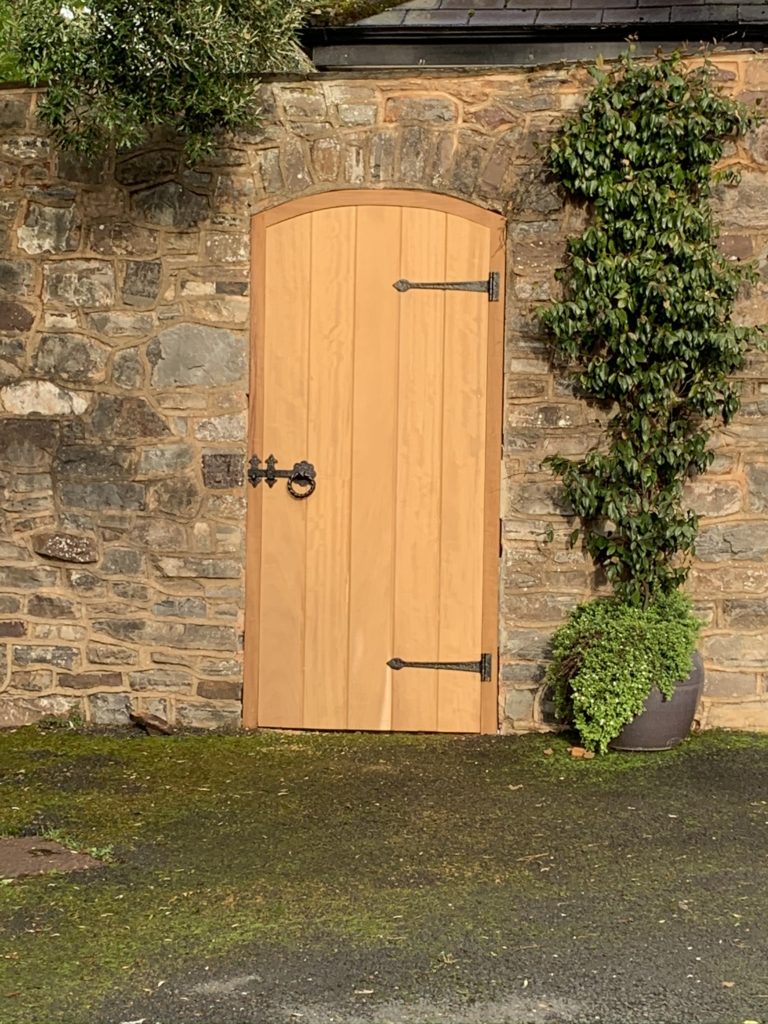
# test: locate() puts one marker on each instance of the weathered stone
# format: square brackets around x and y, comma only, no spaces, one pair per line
[221,667]
[71,358]
[141,285]
[118,238]
[130,418]
[110,654]
[267,165]
[181,607]
[226,247]
[757,486]
[86,284]
[468,160]
[159,535]
[163,460]
[33,682]
[50,229]
[170,205]
[109,709]
[222,428]
[178,496]
[190,354]
[128,370]
[27,444]
[295,171]
[15,317]
[415,146]
[9,604]
[711,498]
[382,156]
[16,278]
[161,679]
[420,110]
[738,541]
[28,148]
[62,657]
[537,499]
[204,568]
[42,397]
[128,591]
[20,578]
[99,462]
[66,547]
[48,607]
[209,638]
[13,628]
[741,651]
[121,325]
[526,644]
[16,711]
[102,495]
[122,562]
[519,705]
[207,716]
[729,685]
[147,167]
[91,680]
[85,582]
[222,469]
[220,689]
[326,159]
[14,111]
[746,613]
[751,714]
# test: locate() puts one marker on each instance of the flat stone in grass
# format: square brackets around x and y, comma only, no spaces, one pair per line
[20,857]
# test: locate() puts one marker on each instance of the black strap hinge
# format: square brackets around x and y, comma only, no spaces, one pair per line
[483,666]
[491,286]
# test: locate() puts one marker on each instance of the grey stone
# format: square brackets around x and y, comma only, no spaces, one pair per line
[209,638]
[27,444]
[13,627]
[110,654]
[128,370]
[161,679]
[15,317]
[51,229]
[179,496]
[757,486]
[122,562]
[740,542]
[181,607]
[16,277]
[66,547]
[159,534]
[121,324]
[16,711]
[222,428]
[90,680]
[190,354]
[220,689]
[109,709]
[117,238]
[142,168]
[91,462]
[91,170]
[142,282]
[518,705]
[62,657]
[85,582]
[203,568]
[35,682]
[14,111]
[9,604]
[48,607]
[86,284]
[218,667]
[20,578]
[163,460]
[71,358]
[102,495]
[170,205]
[129,418]
[206,716]
[222,470]
[420,110]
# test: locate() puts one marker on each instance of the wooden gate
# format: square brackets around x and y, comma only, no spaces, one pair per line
[393,395]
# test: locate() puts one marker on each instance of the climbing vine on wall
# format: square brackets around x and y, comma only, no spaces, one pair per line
[645,326]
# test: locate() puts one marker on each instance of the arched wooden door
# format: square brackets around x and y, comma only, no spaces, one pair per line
[394,397]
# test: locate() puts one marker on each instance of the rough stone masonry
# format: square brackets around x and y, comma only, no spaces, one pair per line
[124,309]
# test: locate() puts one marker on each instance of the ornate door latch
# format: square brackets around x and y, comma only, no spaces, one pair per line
[301,479]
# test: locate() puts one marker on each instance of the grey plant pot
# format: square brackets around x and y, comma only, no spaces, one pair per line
[664,723]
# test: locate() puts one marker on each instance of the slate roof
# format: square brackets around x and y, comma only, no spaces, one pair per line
[572,14]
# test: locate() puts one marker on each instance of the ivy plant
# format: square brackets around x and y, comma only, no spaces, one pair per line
[116,70]
[645,326]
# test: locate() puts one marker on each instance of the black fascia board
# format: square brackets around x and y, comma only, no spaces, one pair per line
[689,32]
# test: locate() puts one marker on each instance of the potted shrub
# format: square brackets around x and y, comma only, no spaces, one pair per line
[644,331]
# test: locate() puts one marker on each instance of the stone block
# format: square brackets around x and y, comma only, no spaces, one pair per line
[16,278]
[220,689]
[90,680]
[66,547]
[110,654]
[42,606]
[202,568]
[15,317]
[94,462]
[736,650]
[712,499]
[86,284]
[170,205]
[121,325]
[14,111]
[226,247]
[221,667]
[71,358]
[209,638]
[41,397]
[750,613]
[49,229]
[161,679]
[326,159]
[757,486]
[128,370]
[17,711]
[13,628]
[223,469]
[747,714]
[191,354]
[519,705]
[159,534]
[421,110]
[127,418]
[61,657]
[122,562]
[148,167]
[20,578]
[102,495]
[382,156]
[526,644]
[267,166]
[738,542]
[165,460]
[207,716]
[121,238]
[109,709]
[222,428]
[729,685]
[141,284]
[178,496]
[33,682]
[181,607]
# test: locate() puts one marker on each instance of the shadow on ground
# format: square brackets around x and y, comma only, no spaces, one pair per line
[336,879]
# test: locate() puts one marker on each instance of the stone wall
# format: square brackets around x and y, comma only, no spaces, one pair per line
[124,306]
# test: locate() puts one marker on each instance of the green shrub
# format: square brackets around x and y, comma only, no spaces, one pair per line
[610,654]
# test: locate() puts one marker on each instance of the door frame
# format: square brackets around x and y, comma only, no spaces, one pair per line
[489,712]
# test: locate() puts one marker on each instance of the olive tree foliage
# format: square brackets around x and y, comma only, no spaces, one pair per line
[115,70]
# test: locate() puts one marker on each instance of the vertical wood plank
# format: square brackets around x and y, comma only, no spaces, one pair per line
[374,448]
[328,445]
[283,521]
[463,476]
[419,477]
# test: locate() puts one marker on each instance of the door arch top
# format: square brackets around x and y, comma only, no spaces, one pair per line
[413,198]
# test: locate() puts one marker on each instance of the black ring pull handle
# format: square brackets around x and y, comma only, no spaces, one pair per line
[303,477]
